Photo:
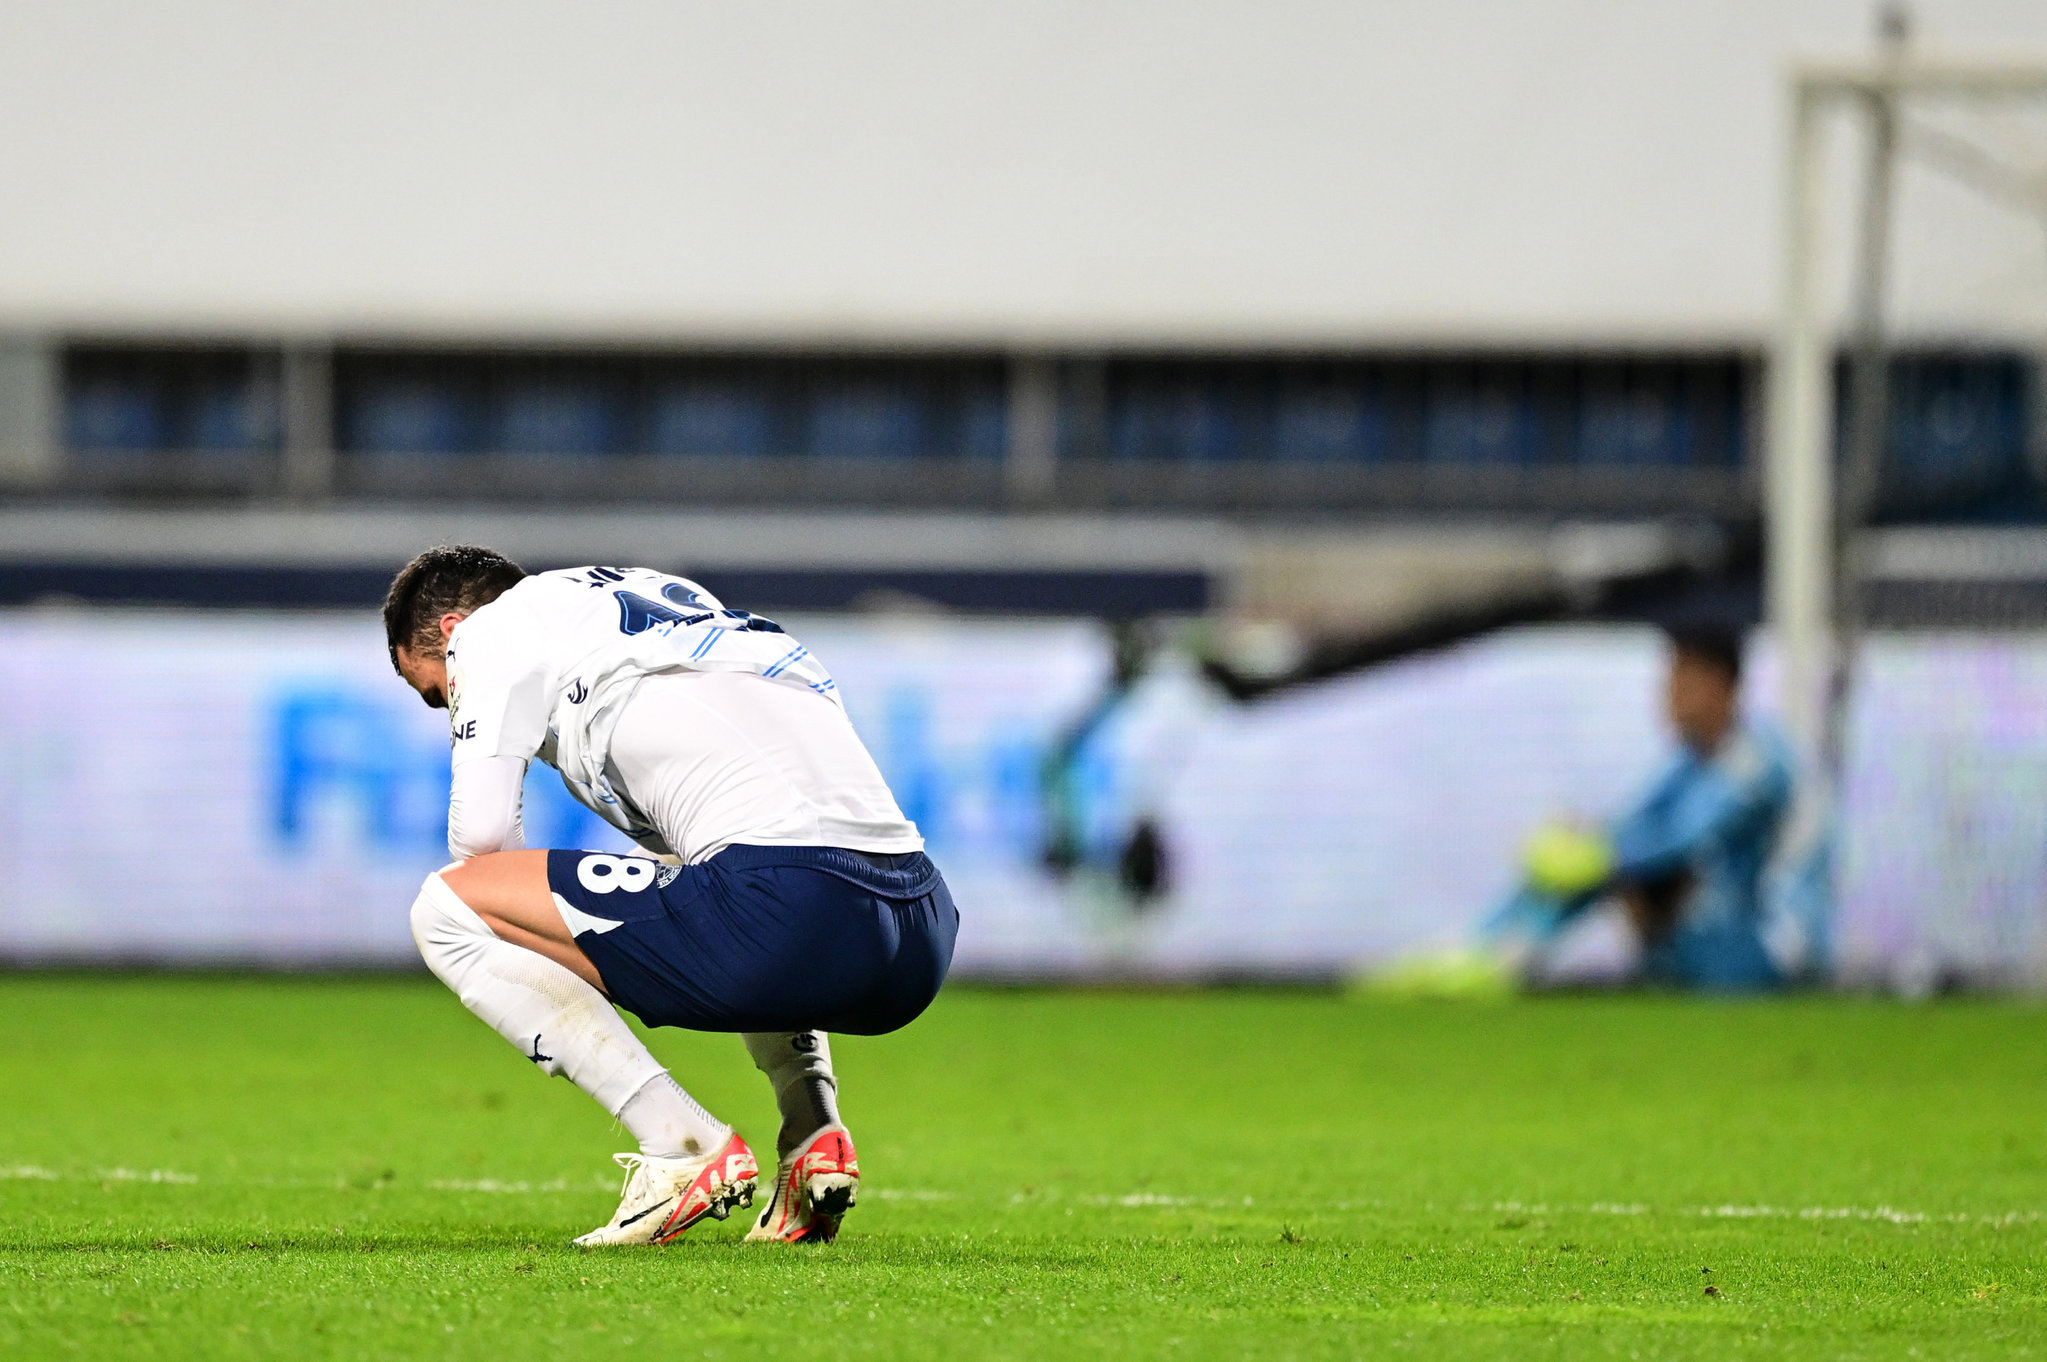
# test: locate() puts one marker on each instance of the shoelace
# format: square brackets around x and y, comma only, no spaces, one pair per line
[634,1163]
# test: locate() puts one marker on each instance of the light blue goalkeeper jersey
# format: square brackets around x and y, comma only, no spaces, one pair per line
[1708,827]
[1716,821]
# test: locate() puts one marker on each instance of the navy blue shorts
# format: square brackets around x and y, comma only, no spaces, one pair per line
[763,938]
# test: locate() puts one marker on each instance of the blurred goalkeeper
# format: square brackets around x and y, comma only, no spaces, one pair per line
[1696,862]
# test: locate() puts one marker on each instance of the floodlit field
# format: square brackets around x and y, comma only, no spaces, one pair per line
[345,1168]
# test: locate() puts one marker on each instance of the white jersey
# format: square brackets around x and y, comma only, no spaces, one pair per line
[551,667]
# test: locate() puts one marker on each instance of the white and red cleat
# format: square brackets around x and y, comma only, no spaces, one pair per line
[814,1188]
[664,1197]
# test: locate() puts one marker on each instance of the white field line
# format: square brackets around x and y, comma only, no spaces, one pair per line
[1140,1199]
[1879,1214]
[29,1172]
[506,1188]
[493,1185]
[1135,1200]
[468,1186]
[1884,1214]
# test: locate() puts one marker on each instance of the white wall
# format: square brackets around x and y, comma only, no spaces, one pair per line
[1286,171]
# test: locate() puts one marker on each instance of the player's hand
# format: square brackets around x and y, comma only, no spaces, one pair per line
[1565,860]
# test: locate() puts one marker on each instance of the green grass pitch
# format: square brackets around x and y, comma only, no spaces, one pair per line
[221,1168]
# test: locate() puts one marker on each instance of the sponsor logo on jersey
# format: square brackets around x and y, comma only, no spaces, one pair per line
[578,693]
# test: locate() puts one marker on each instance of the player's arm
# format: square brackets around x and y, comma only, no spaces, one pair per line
[1665,833]
[1570,865]
[498,696]
[484,807]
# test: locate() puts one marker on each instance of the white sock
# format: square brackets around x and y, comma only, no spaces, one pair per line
[669,1123]
[556,1020]
[799,1066]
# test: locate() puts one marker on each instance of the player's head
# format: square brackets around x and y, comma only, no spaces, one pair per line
[428,598]
[1705,684]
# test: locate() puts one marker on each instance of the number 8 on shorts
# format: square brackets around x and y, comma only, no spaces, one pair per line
[602,874]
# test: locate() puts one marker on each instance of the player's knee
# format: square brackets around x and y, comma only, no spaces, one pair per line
[442,924]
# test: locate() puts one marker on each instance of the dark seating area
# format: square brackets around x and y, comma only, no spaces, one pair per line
[1594,434]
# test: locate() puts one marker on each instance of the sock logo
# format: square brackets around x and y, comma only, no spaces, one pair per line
[536,1056]
[805,1041]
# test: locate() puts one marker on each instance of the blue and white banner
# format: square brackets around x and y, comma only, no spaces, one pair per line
[199,787]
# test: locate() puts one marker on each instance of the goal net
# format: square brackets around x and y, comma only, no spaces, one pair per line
[1907,502]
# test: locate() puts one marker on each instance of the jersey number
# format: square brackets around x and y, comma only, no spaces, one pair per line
[637,614]
[602,874]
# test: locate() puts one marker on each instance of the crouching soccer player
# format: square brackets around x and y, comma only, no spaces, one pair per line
[1692,862]
[791,898]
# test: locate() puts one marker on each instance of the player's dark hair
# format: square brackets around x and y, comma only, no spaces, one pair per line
[453,578]
[1716,645]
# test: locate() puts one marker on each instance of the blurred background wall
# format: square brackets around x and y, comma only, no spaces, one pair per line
[1233,345]
[1593,173]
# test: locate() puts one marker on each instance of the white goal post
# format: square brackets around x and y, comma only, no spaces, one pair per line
[1815,519]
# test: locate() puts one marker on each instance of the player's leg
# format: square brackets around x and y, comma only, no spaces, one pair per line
[1533,916]
[817,1172]
[490,929]
[570,1032]
[773,942]
[1722,955]
[817,1177]
[508,890]
[798,1066]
